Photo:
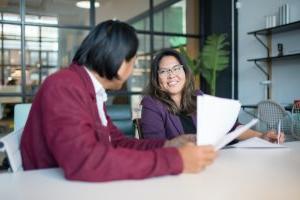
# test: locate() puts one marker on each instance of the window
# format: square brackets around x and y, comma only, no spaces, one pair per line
[53,32]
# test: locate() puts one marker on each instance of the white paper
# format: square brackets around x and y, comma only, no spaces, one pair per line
[234,134]
[215,117]
[256,142]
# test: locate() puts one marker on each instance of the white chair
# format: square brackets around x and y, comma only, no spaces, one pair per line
[269,114]
[10,144]
[21,112]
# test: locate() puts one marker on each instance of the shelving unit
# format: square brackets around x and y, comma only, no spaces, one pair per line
[274,58]
[277,29]
[268,32]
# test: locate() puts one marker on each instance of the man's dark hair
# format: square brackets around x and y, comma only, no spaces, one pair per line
[106,47]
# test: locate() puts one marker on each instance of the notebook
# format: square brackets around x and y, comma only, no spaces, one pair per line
[256,142]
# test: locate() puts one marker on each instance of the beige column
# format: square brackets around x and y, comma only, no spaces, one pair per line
[192,26]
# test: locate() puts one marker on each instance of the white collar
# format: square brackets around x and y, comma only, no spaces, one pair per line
[99,89]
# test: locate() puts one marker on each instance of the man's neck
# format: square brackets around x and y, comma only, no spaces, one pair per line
[106,84]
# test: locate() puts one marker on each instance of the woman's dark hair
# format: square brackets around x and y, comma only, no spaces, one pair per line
[106,46]
[188,100]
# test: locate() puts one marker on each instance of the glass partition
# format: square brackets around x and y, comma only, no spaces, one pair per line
[9,10]
[10,58]
[65,12]
[53,30]
[130,11]
[47,50]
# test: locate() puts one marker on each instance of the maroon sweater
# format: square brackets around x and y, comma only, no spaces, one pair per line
[64,130]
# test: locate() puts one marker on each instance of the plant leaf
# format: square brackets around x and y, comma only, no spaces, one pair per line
[206,74]
[193,64]
[213,55]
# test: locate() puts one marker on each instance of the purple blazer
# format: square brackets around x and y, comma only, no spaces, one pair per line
[158,123]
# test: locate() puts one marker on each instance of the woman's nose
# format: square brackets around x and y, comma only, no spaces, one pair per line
[171,74]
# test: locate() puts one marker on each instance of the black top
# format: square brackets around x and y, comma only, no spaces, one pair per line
[189,127]
[187,123]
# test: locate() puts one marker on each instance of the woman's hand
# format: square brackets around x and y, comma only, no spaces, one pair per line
[196,158]
[272,136]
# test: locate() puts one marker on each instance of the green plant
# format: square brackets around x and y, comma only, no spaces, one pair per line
[212,59]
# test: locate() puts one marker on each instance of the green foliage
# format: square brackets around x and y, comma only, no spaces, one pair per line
[194,64]
[212,59]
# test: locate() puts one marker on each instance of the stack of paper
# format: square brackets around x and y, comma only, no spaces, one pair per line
[215,118]
[256,142]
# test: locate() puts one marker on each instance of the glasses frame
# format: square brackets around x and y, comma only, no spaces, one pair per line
[175,70]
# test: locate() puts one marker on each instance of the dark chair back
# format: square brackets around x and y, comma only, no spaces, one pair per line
[122,118]
[137,123]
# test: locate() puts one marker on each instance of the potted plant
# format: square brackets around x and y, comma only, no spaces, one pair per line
[211,60]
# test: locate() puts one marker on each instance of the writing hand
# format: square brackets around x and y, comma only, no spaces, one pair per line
[271,136]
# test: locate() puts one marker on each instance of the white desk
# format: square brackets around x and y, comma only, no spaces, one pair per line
[242,174]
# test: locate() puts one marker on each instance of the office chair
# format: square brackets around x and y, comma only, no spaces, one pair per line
[269,114]
[122,118]
[10,144]
[296,120]
[137,122]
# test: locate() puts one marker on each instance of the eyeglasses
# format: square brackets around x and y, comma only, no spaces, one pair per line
[174,70]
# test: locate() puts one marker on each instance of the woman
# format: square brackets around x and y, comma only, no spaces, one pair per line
[171,103]
[68,126]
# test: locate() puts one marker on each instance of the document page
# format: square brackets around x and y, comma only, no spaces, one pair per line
[215,117]
[256,142]
[234,134]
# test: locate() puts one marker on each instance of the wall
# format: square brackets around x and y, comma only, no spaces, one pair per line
[286,74]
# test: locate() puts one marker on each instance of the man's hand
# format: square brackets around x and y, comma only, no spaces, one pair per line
[181,140]
[196,158]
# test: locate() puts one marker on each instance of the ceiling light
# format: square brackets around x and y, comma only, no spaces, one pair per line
[86,4]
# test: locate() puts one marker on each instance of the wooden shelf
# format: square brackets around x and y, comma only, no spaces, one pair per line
[274,58]
[266,34]
[277,29]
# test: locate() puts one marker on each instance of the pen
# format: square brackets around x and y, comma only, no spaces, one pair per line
[278,131]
